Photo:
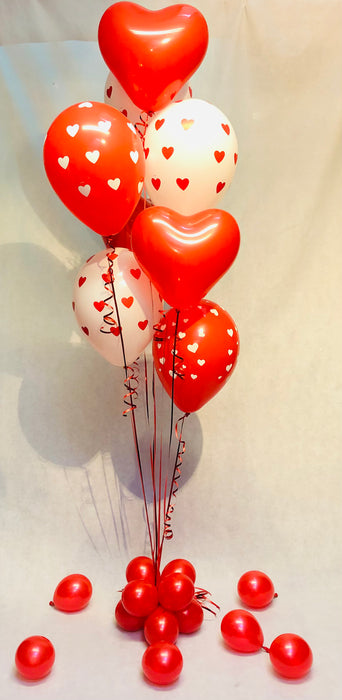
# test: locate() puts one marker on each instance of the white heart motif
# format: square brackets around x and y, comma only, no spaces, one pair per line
[193,348]
[84,189]
[201,333]
[72,129]
[134,155]
[63,162]
[93,156]
[230,352]
[131,127]
[114,184]
[85,104]
[181,335]
[172,374]
[193,376]
[228,368]
[214,311]
[230,332]
[201,362]
[162,360]
[104,125]
[140,186]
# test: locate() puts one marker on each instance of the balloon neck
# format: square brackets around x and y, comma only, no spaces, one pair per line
[52,603]
[275,595]
[266,649]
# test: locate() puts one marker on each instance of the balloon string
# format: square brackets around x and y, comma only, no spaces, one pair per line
[128,398]
[173,377]
[168,532]
[142,124]
[204,596]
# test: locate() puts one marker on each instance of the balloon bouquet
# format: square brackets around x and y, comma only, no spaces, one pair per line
[145,170]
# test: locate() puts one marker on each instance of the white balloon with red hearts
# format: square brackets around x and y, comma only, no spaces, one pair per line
[116,305]
[191,153]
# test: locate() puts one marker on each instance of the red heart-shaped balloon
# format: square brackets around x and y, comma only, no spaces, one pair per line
[152,53]
[184,255]
[195,365]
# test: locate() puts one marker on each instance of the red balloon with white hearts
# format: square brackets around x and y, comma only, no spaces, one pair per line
[94,161]
[196,365]
[116,306]
[191,154]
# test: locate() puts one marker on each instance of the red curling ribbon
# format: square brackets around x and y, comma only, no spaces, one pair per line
[204,598]
[168,532]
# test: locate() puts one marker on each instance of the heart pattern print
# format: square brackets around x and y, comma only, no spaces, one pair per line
[203,357]
[115,305]
[94,160]
[191,153]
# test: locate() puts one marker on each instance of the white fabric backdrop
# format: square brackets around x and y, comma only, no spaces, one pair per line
[261,485]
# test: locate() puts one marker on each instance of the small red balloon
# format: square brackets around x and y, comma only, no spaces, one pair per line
[291,656]
[35,657]
[241,631]
[180,566]
[191,618]
[162,663]
[255,589]
[161,626]
[141,569]
[73,593]
[139,598]
[176,591]
[130,623]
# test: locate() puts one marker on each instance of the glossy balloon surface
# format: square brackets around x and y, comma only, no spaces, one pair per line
[161,626]
[162,663]
[241,631]
[190,619]
[130,623]
[255,589]
[34,657]
[152,53]
[291,655]
[180,566]
[73,593]
[139,598]
[141,568]
[175,591]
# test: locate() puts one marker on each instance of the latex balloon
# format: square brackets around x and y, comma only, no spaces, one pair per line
[196,365]
[141,568]
[139,598]
[291,656]
[94,160]
[129,623]
[116,306]
[162,663]
[35,657]
[123,238]
[175,591]
[190,619]
[241,631]
[184,255]
[161,626]
[255,589]
[115,95]
[73,593]
[152,53]
[191,154]
[180,566]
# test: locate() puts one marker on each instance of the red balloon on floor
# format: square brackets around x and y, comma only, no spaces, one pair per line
[191,618]
[180,566]
[255,589]
[35,657]
[161,626]
[139,598]
[73,593]
[241,631]
[291,655]
[162,663]
[141,568]
[175,591]
[130,623]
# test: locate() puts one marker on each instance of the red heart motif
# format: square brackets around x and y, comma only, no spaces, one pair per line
[143,324]
[226,128]
[220,186]
[152,53]
[109,91]
[127,301]
[182,183]
[156,182]
[81,281]
[116,330]
[235,158]
[146,151]
[73,306]
[167,152]
[136,273]
[85,330]
[206,353]
[107,277]
[158,124]
[99,305]
[219,155]
[184,255]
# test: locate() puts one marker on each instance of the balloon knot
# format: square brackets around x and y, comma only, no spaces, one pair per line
[52,603]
